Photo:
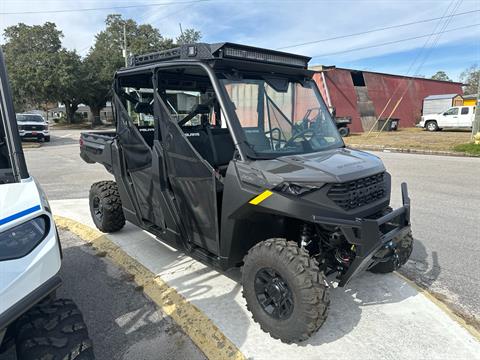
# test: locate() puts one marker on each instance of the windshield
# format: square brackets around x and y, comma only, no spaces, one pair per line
[281,117]
[29,117]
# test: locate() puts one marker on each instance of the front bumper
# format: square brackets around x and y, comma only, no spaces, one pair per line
[370,235]
[40,134]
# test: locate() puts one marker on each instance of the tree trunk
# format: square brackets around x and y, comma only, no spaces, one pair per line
[96,115]
[70,109]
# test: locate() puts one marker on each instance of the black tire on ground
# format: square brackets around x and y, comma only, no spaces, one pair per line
[47,138]
[53,330]
[403,252]
[344,131]
[305,300]
[106,206]
[431,125]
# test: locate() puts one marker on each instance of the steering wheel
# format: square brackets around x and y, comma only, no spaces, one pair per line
[302,134]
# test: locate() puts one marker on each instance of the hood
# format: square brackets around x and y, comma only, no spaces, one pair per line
[338,165]
[31,123]
[16,200]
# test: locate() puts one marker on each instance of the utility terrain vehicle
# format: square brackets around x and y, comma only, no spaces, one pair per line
[39,326]
[229,153]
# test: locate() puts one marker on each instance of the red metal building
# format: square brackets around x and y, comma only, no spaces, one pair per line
[366,96]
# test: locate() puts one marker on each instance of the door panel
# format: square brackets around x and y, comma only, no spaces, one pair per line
[450,118]
[465,116]
[192,181]
[139,169]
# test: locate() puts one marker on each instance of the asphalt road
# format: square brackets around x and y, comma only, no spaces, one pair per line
[445,194]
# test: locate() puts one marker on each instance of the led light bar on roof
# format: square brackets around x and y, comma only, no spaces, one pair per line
[269,57]
[202,51]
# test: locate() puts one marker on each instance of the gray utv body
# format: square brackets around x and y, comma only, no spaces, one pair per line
[206,191]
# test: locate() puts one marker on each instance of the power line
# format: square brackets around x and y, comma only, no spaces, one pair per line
[371,31]
[102,8]
[393,42]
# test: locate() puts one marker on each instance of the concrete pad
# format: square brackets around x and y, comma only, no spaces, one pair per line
[375,317]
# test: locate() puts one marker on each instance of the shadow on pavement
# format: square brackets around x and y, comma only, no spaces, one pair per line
[221,299]
[419,268]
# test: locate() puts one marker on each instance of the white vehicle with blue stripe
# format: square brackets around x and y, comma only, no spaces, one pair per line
[31,319]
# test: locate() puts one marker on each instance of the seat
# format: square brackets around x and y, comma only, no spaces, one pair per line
[257,139]
[198,137]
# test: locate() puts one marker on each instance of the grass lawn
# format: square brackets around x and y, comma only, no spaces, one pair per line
[416,138]
[469,148]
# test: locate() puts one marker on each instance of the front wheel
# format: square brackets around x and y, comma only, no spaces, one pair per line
[53,331]
[432,125]
[401,254]
[285,291]
[106,206]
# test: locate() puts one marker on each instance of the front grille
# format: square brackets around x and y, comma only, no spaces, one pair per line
[33,127]
[356,193]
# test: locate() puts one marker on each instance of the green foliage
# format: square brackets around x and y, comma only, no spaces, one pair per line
[106,56]
[441,75]
[189,36]
[42,71]
[31,58]
[471,77]
[468,148]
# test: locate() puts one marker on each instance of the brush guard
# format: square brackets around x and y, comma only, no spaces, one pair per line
[369,236]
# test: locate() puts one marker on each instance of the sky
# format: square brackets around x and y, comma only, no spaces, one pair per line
[286,23]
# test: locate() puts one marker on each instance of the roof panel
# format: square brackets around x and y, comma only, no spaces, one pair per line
[441,96]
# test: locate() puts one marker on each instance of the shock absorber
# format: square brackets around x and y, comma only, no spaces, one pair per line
[305,235]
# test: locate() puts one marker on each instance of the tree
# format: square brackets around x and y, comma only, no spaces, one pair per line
[106,57]
[441,75]
[470,77]
[31,59]
[70,81]
[189,36]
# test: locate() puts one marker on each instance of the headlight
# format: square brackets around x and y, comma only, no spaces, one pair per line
[296,188]
[20,240]
[20,127]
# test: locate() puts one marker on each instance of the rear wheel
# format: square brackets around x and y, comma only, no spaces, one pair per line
[400,256]
[344,131]
[431,125]
[285,291]
[53,331]
[106,206]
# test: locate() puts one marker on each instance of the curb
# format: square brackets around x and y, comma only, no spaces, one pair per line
[471,329]
[409,151]
[31,145]
[196,325]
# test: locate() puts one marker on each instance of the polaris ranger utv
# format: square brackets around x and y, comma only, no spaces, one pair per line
[229,153]
[31,319]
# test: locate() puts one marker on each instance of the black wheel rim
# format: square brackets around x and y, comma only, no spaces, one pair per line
[273,294]
[97,208]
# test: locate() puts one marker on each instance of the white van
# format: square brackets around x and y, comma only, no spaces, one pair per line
[454,118]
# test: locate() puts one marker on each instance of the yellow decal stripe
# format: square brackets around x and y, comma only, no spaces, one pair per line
[257,200]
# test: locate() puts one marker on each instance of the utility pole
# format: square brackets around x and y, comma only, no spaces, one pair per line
[476,121]
[125,54]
